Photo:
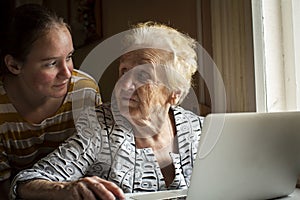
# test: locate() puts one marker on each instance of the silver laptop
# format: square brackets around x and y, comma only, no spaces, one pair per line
[243,156]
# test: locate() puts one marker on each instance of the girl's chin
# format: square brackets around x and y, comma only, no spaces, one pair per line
[59,94]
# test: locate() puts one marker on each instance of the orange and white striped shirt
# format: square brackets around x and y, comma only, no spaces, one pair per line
[23,143]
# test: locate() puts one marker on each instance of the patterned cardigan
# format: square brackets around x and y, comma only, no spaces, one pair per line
[104,146]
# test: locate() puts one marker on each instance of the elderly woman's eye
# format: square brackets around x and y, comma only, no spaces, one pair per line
[143,77]
[123,71]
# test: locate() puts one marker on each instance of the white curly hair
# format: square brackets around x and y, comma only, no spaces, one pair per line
[181,60]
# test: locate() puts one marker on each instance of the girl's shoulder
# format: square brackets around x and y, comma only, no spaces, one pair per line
[81,79]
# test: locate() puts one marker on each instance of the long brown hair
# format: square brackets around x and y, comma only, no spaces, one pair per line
[28,23]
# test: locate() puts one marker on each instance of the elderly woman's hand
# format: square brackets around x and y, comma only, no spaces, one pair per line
[90,188]
[93,188]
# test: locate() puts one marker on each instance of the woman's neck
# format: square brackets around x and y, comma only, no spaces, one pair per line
[162,143]
[156,138]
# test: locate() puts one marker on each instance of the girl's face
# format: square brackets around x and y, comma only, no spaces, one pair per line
[48,66]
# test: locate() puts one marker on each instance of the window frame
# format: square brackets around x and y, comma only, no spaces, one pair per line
[277,77]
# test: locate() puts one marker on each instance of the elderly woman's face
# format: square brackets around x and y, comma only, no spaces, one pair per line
[139,91]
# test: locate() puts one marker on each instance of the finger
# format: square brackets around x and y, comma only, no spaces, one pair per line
[84,191]
[75,194]
[70,191]
[102,192]
[116,190]
[95,185]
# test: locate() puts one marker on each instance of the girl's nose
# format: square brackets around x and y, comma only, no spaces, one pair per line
[65,70]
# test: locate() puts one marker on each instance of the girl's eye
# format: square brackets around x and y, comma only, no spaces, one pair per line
[50,64]
[69,57]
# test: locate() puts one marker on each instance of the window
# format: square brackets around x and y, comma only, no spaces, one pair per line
[276,25]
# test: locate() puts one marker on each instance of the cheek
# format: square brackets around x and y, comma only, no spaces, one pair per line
[117,90]
[145,94]
[44,78]
[152,95]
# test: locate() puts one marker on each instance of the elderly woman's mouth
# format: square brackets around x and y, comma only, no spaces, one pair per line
[129,99]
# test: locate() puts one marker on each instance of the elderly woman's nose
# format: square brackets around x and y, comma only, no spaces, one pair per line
[128,82]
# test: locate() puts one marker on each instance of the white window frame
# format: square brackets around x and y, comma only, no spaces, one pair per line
[276,25]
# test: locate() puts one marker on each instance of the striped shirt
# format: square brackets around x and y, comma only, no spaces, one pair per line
[23,143]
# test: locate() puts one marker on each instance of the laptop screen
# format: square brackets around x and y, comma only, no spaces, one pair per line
[252,156]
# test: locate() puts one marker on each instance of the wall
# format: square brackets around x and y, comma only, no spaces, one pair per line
[232,44]
[224,28]
[119,15]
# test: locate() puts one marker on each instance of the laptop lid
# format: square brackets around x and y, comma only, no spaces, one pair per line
[247,156]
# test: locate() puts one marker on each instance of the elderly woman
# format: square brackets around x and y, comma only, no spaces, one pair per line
[143,141]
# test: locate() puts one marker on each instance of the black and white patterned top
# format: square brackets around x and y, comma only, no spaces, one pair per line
[104,146]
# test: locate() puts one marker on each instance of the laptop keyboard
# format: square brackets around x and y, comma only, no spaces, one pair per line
[163,195]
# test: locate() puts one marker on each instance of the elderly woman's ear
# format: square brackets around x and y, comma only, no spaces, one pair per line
[174,97]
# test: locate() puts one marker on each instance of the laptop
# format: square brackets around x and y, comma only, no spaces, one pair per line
[242,156]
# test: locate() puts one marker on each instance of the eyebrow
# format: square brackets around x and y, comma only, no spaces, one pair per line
[51,58]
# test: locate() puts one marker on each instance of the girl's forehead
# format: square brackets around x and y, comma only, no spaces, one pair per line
[52,43]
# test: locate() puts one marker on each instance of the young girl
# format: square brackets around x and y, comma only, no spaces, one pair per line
[37,87]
